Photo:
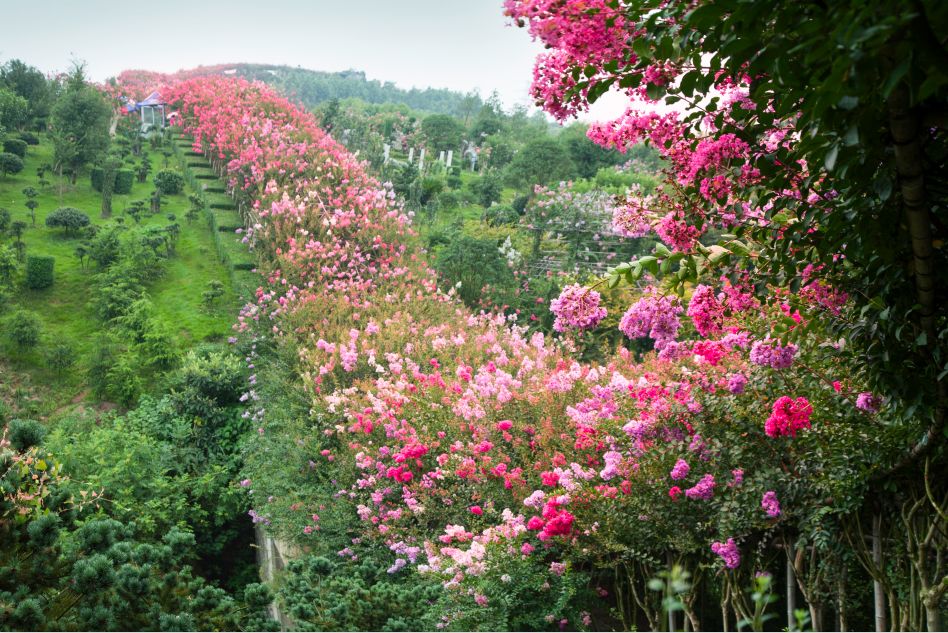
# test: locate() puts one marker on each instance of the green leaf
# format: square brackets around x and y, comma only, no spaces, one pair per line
[896,76]
[829,161]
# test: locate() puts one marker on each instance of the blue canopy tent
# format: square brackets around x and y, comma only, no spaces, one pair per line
[153,112]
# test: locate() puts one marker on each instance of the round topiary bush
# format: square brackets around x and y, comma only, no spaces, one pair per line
[39,271]
[67,218]
[29,138]
[10,164]
[169,182]
[15,146]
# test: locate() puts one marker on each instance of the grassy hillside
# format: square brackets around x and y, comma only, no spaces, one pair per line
[64,310]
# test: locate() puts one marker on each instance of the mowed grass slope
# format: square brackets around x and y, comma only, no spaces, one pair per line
[64,309]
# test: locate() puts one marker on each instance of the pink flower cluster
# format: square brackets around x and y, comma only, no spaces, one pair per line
[706,312]
[577,308]
[788,417]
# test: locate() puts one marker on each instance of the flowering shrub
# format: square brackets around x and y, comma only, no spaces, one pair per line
[461,447]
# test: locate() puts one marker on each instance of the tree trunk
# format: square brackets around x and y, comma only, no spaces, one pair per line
[791,596]
[878,592]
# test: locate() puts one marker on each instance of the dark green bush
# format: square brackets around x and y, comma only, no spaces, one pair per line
[520,203]
[29,138]
[39,271]
[24,434]
[10,163]
[67,218]
[123,181]
[96,177]
[15,146]
[169,182]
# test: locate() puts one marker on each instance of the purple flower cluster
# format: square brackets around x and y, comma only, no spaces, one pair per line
[736,383]
[770,504]
[681,470]
[768,352]
[577,307]
[729,552]
[704,489]
[655,316]
[868,402]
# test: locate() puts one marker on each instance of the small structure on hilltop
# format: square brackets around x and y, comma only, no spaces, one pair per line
[152,110]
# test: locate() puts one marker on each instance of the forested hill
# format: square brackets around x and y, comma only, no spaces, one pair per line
[313,87]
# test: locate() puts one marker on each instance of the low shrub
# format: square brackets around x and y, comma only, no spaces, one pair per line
[169,182]
[29,138]
[24,434]
[67,218]
[39,271]
[23,329]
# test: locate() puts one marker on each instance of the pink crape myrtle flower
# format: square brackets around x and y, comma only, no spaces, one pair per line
[577,308]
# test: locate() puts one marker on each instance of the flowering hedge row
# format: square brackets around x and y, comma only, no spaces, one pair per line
[484,456]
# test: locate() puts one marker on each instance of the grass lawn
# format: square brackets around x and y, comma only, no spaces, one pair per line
[64,309]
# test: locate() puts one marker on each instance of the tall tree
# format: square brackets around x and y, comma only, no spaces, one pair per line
[29,83]
[80,122]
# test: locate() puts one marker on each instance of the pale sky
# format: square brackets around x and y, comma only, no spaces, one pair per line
[456,44]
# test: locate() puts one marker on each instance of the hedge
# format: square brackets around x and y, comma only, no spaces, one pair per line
[123,181]
[29,138]
[39,271]
[15,146]
[96,176]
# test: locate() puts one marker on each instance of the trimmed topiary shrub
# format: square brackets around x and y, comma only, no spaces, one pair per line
[169,182]
[29,138]
[123,181]
[15,146]
[39,271]
[10,164]
[24,434]
[67,218]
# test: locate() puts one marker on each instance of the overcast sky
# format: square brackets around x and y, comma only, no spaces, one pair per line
[457,44]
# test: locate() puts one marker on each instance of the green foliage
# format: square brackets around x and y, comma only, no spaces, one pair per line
[25,434]
[14,110]
[501,214]
[124,178]
[61,357]
[39,271]
[95,177]
[473,263]
[488,188]
[23,329]
[10,164]
[169,182]
[540,162]
[30,84]
[442,132]
[67,218]
[321,594]
[80,121]
[29,138]
[69,566]
[15,146]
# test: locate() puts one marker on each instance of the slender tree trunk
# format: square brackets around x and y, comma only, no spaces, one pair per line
[791,596]
[877,588]
[841,600]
